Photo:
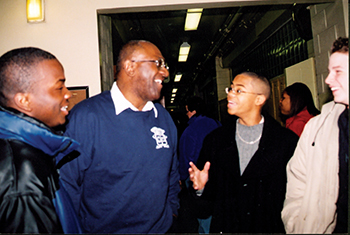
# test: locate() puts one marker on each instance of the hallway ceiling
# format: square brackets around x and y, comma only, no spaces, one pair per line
[220,32]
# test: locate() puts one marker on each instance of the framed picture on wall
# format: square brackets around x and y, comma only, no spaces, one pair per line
[79,93]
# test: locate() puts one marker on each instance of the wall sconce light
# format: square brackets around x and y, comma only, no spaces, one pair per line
[35,10]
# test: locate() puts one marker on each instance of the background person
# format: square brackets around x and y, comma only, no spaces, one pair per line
[33,99]
[317,190]
[126,179]
[191,141]
[297,107]
[244,177]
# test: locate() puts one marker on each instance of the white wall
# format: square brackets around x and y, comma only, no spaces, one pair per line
[70,31]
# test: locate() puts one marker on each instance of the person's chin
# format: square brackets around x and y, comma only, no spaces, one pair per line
[341,101]
[231,112]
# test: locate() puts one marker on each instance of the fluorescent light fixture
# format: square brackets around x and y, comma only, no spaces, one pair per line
[193,17]
[185,48]
[174,90]
[35,10]
[184,51]
[177,77]
[173,95]
[193,10]
[183,58]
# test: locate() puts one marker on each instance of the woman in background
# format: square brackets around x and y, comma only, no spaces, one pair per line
[297,107]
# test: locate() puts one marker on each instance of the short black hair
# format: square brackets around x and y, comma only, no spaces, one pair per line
[127,50]
[196,103]
[16,70]
[264,81]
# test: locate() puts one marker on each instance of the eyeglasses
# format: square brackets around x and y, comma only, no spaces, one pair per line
[159,63]
[238,91]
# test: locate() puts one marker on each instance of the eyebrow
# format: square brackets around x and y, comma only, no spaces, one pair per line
[238,85]
[335,67]
[61,80]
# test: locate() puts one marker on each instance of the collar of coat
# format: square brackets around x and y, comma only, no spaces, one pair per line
[16,125]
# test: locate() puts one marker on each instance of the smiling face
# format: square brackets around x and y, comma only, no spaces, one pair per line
[285,104]
[148,78]
[338,77]
[49,96]
[244,103]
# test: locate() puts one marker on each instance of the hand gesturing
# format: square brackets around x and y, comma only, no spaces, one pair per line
[199,178]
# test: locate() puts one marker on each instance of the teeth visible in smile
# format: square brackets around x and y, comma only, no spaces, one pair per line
[158,81]
[334,88]
[64,108]
[231,102]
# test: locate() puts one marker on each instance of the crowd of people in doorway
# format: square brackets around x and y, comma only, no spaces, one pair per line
[118,167]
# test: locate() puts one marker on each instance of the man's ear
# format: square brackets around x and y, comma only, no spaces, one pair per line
[22,102]
[129,68]
[260,100]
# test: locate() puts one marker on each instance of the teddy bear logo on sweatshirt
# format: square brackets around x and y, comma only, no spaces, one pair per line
[160,137]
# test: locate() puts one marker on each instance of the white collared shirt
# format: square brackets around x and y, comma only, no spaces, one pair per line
[121,103]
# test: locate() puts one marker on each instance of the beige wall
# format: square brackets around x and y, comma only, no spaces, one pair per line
[329,21]
[70,31]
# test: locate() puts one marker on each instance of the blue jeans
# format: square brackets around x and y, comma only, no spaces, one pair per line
[204,224]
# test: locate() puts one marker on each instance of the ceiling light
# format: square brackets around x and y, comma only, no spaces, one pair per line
[173,95]
[193,17]
[183,58]
[184,51]
[177,77]
[174,90]
[35,10]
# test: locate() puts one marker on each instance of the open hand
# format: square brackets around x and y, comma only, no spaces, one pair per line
[199,178]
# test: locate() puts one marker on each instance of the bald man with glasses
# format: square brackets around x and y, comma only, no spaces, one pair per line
[126,179]
[242,181]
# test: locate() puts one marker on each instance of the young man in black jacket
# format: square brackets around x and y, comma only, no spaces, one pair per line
[33,99]
[243,181]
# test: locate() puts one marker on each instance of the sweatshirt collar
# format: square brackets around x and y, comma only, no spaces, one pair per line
[121,103]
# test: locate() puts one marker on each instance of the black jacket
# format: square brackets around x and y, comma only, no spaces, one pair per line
[32,198]
[28,179]
[251,203]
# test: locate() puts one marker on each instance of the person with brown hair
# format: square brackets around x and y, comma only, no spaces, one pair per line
[317,189]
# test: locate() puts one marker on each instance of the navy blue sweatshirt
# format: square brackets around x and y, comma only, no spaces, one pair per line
[126,178]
